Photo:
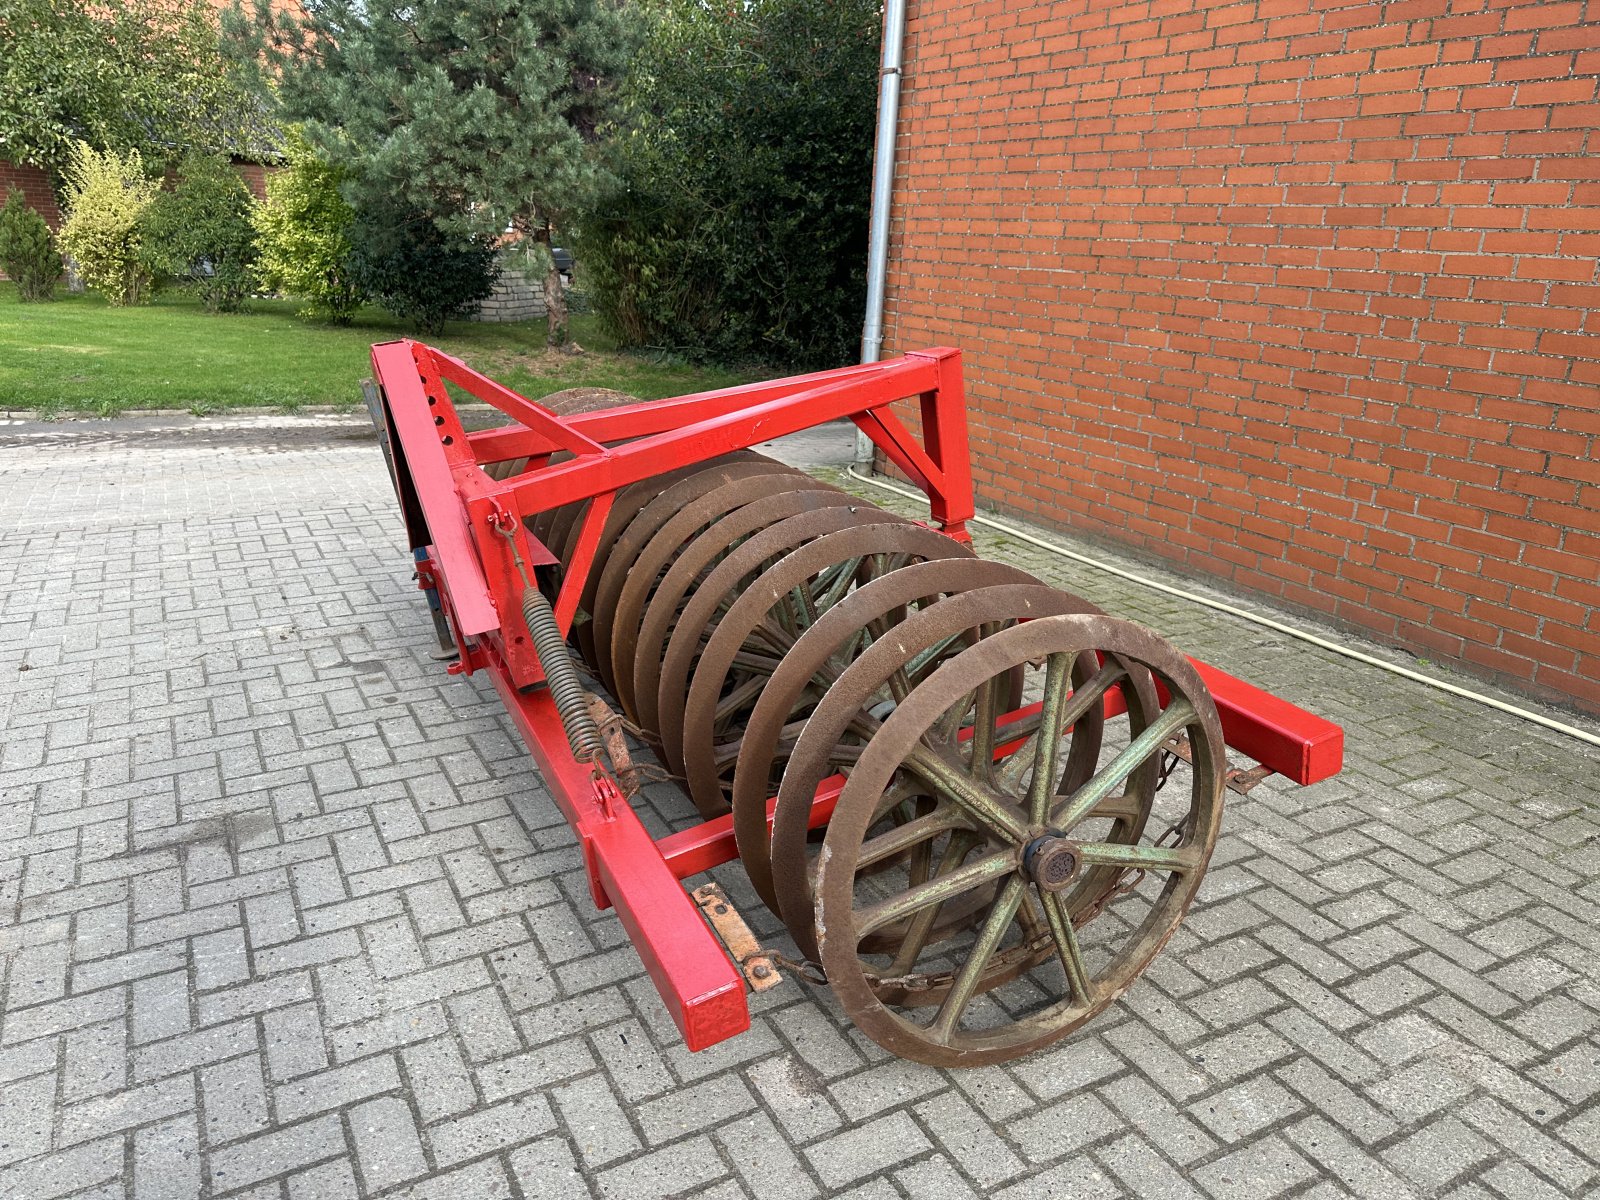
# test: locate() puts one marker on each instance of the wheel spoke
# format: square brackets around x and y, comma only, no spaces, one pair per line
[936,891]
[955,853]
[949,725]
[986,715]
[965,984]
[1178,859]
[919,665]
[1105,781]
[738,698]
[803,613]
[840,584]
[1047,742]
[751,660]
[1067,948]
[981,802]
[773,630]
[1010,772]
[904,837]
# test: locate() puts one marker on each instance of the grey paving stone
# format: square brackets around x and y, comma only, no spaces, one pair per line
[1064,1127]
[219,959]
[161,1006]
[63,1172]
[294,1041]
[1142,1171]
[797,1096]
[888,1085]
[684,1167]
[166,1161]
[96,1118]
[94,1060]
[1269,1167]
[336,1088]
[425,1023]
[1148,1110]
[191,1050]
[866,1149]
[1246,1108]
[597,1124]
[704,1106]
[278,1152]
[503,1125]
[963,1133]
[1437,1153]
[937,1179]
[547,1169]
[331,1181]
[388,1147]
[438,1078]
[58,1016]
[25,1117]
[1069,1068]
[1361,1173]
[487,1179]
[235,1099]
[764,1162]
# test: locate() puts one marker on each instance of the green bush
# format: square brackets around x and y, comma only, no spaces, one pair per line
[107,198]
[739,228]
[201,232]
[27,251]
[145,75]
[403,260]
[303,233]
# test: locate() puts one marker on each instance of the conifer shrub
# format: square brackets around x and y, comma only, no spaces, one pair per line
[28,251]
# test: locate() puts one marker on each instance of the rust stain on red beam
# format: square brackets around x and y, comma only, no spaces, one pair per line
[702,990]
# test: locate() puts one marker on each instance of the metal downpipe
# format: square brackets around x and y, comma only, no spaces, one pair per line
[894,35]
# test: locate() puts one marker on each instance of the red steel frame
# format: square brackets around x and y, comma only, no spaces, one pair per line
[457,517]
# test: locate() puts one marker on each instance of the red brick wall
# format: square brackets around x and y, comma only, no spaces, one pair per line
[34,185]
[1298,293]
[254,176]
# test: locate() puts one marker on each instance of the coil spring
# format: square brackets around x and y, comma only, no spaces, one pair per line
[566,689]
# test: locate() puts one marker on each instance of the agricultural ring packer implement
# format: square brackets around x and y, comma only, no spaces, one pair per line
[979,805]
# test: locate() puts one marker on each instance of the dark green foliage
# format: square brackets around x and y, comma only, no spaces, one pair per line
[201,232]
[739,229]
[303,231]
[145,75]
[27,251]
[416,270]
[481,112]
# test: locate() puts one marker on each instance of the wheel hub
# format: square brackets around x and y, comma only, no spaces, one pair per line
[1051,861]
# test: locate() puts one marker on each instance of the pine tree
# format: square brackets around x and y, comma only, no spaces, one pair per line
[479,113]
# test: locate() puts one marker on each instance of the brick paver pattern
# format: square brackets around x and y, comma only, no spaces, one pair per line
[287,913]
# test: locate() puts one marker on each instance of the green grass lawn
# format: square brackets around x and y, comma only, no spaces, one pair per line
[78,354]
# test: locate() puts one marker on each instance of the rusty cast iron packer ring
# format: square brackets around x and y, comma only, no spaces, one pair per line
[992,821]
[767,631]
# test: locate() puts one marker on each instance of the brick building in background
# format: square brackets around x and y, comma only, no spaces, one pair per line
[1300,294]
[35,187]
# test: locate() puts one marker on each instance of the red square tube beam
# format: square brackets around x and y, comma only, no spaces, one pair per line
[702,990]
